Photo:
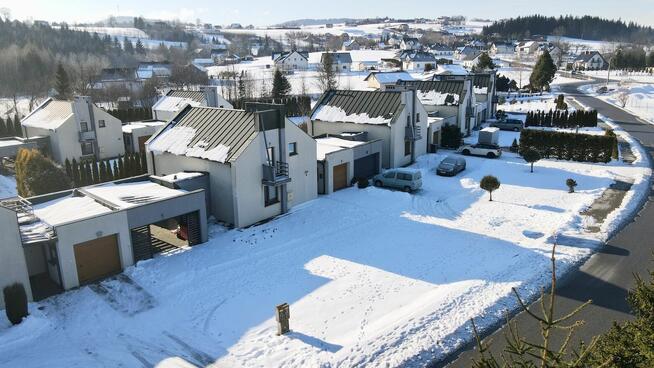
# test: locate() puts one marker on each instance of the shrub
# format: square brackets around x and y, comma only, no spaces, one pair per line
[531,156]
[451,136]
[514,146]
[362,183]
[490,184]
[37,174]
[571,184]
[569,146]
[15,302]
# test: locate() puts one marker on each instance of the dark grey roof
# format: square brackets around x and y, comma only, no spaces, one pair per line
[280,56]
[197,96]
[481,80]
[338,57]
[449,86]
[375,104]
[213,127]
[585,57]
[414,55]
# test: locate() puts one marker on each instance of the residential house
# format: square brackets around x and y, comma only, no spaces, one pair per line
[590,60]
[174,101]
[464,52]
[350,45]
[554,51]
[441,50]
[450,69]
[478,45]
[118,78]
[397,118]
[291,60]
[502,48]
[341,61]
[153,69]
[471,60]
[218,55]
[410,43]
[259,163]
[527,48]
[345,158]
[76,129]
[63,240]
[417,60]
[136,133]
[379,80]
[484,86]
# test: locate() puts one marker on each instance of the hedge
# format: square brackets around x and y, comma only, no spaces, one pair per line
[451,136]
[570,146]
[128,115]
[295,105]
[561,119]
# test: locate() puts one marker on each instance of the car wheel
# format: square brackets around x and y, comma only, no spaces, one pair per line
[466,152]
[407,189]
[378,183]
[516,129]
[490,155]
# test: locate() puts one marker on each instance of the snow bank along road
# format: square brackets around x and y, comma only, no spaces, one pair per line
[606,276]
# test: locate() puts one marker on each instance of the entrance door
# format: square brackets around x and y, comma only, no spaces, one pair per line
[340,176]
[97,259]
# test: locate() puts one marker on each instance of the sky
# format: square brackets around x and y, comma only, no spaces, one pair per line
[267,12]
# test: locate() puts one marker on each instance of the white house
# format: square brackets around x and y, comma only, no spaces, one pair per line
[341,61]
[410,43]
[76,129]
[377,80]
[351,44]
[502,48]
[463,52]
[175,100]
[397,118]
[136,133]
[590,60]
[441,50]
[259,163]
[417,60]
[471,60]
[291,60]
[527,48]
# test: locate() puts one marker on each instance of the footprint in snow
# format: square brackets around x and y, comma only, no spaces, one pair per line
[532,234]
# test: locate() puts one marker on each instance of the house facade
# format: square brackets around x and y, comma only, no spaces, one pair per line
[379,80]
[174,101]
[259,163]
[417,60]
[502,48]
[590,60]
[410,43]
[350,45]
[397,118]
[291,60]
[341,61]
[76,129]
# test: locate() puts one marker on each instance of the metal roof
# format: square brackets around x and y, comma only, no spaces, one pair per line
[197,96]
[214,127]
[449,86]
[49,115]
[481,80]
[338,57]
[375,104]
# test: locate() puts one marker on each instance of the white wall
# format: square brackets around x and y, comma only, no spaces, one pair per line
[110,138]
[375,131]
[336,158]
[13,267]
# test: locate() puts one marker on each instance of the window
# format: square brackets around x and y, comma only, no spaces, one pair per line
[87,148]
[270,195]
[418,117]
[389,175]
[407,148]
[101,123]
[292,149]
[404,176]
[408,120]
[84,126]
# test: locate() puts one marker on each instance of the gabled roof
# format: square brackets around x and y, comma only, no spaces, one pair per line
[363,107]
[586,56]
[214,134]
[436,92]
[49,115]
[414,55]
[197,96]
[471,56]
[389,77]
[281,56]
[338,57]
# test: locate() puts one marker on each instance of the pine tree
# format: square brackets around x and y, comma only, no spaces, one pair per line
[75,173]
[18,129]
[96,172]
[3,128]
[326,74]
[140,49]
[543,73]
[110,173]
[69,169]
[62,83]
[121,167]
[484,63]
[116,171]
[144,163]
[102,170]
[281,87]
[127,46]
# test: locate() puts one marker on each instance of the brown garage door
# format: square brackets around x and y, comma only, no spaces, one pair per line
[142,141]
[97,259]
[340,176]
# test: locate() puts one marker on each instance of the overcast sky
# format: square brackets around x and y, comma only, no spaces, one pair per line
[265,12]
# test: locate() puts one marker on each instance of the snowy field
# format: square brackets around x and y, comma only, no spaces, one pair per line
[622,75]
[640,97]
[373,277]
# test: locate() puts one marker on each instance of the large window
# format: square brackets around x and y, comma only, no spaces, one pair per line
[270,195]
[87,148]
[407,148]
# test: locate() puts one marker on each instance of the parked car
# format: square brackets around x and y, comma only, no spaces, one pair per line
[451,165]
[508,124]
[479,149]
[405,179]
[602,89]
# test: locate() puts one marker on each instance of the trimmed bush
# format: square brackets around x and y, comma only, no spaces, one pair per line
[15,302]
[362,183]
[514,146]
[490,184]
[531,156]
[451,136]
[569,146]
[561,118]
[571,184]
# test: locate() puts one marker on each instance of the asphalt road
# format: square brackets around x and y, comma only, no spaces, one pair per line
[606,276]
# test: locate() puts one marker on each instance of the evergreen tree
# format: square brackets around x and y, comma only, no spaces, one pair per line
[110,173]
[144,163]
[140,49]
[543,72]
[326,73]
[37,174]
[116,173]
[531,156]
[490,184]
[102,172]
[18,129]
[75,173]
[281,87]
[121,167]
[3,128]
[62,83]
[69,169]
[485,63]
[96,172]
[83,176]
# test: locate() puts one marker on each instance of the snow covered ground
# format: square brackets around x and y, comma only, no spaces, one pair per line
[373,277]
[7,186]
[640,97]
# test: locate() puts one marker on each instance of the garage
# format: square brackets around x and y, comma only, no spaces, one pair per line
[97,259]
[340,176]
[367,166]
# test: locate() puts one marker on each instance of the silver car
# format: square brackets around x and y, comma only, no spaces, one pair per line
[451,165]
[405,179]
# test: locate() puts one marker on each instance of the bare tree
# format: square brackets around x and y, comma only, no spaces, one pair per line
[326,78]
[623,98]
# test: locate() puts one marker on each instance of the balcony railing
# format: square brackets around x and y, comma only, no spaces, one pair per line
[86,136]
[275,174]
[412,133]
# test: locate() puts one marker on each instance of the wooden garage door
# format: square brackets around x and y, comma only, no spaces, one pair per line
[142,141]
[97,259]
[340,176]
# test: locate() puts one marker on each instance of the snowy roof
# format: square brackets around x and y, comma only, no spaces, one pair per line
[49,115]
[281,56]
[214,134]
[67,209]
[389,77]
[328,145]
[456,69]
[172,178]
[197,96]
[436,92]
[10,142]
[414,55]
[361,107]
[586,56]
[337,57]
[173,104]
[130,127]
[127,195]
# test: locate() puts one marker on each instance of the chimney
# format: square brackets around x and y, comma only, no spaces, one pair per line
[211,96]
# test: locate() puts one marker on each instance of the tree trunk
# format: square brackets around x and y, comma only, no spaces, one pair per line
[491,196]
[532,167]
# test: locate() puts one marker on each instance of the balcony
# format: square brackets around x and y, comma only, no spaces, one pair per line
[275,174]
[412,133]
[87,136]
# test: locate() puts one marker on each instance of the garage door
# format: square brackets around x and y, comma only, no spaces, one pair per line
[97,259]
[340,176]
[142,141]
[367,166]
